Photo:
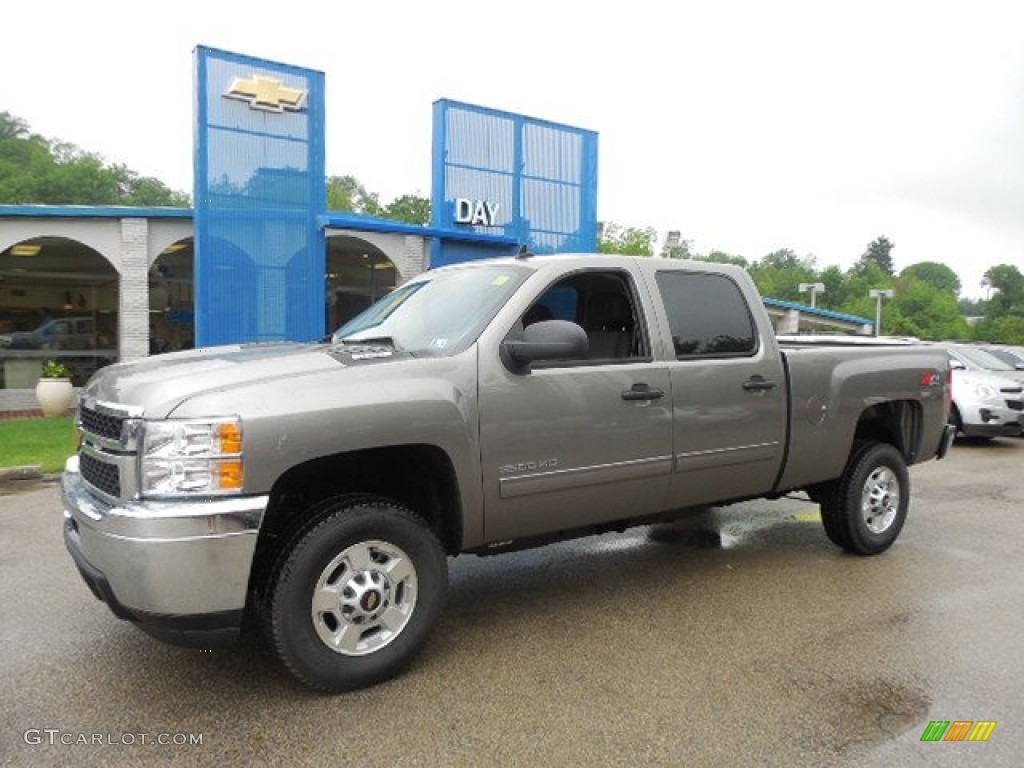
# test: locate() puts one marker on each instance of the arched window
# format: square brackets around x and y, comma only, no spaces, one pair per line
[358,273]
[58,301]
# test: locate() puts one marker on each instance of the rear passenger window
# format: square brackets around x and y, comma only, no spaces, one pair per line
[707,315]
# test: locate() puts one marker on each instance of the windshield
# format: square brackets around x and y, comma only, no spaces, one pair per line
[979,358]
[1007,356]
[438,314]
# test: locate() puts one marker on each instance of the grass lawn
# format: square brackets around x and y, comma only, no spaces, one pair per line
[47,442]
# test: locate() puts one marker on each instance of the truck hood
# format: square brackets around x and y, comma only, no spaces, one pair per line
[162,382]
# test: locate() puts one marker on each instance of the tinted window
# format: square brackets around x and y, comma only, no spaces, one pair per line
[562,302]
[707,314]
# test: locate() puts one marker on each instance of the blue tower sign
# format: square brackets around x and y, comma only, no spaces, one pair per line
[259,188]
[506,174]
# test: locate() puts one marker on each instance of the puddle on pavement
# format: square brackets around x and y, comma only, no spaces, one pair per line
[863,713]
[698,538]
[712,533]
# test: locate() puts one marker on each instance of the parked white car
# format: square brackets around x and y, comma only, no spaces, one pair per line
[985,404]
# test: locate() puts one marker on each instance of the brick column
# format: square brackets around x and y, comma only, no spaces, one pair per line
[412,260]
[789,322]
[133,326]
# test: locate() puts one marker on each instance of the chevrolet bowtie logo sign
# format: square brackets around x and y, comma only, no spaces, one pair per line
[266,93]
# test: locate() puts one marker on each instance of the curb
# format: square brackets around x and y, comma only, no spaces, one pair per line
[32,473]
[27,472]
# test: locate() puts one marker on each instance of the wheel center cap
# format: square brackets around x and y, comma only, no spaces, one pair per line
[370,601]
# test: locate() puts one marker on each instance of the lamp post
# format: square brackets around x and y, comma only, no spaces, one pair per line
[878,294]
[672,242]
[814,288]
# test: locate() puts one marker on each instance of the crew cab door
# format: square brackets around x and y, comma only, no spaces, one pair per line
[571,443]
[728,389]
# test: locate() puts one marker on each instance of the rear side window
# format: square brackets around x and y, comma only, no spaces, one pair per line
[707,315]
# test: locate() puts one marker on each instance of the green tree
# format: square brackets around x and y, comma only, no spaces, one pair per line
[879,252]
[1008,284]
[133,189]
[676,248]
[920,308]
[627,241]
[12,127]
[858,281]
[936,274]
[972,307]
[1008,329]
[346,193]
[412,209]
[34,170]
[779,274]
[721,257]
[835,293]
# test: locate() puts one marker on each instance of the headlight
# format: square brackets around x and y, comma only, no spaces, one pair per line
[191,457]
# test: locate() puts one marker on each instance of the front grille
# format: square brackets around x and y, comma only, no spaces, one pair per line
[100,424]
[1015,405]
[100,474]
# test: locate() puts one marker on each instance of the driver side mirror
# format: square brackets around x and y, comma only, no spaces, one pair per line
[546,340]
[956,365]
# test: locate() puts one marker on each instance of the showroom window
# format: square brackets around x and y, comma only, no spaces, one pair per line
[58,301]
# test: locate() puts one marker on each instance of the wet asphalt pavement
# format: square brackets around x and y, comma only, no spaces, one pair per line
[744,638]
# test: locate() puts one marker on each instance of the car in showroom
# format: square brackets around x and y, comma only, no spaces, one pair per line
[59,333]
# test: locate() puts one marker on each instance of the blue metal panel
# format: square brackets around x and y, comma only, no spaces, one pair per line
[259,188]
[780,304]
[541,176]
[91,212]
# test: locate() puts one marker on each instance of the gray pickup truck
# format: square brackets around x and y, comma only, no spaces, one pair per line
[319,488]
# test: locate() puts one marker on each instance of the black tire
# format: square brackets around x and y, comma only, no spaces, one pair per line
[866,508]
[955,420]
[379,574]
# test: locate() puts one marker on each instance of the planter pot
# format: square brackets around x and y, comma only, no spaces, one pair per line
[54,396]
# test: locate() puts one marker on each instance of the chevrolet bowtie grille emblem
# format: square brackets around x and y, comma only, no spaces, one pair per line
[266,93]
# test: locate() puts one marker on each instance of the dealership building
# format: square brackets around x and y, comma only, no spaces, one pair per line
[259,258]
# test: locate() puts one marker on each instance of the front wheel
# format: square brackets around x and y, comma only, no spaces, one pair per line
[866,508]
[955,420]
[355,597]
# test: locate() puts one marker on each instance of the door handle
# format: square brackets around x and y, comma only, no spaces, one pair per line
[758,383]
[642,392]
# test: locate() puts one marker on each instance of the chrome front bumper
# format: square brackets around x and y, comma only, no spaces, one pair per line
[177,567]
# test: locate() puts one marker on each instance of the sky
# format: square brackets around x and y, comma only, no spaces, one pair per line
[747,126]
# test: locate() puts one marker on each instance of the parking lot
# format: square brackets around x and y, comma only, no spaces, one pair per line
[743,638]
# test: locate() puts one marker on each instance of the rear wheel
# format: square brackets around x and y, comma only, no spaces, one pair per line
[864,511]
[355,597]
